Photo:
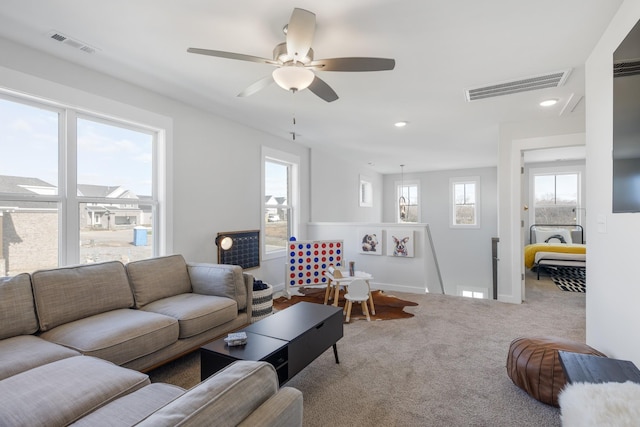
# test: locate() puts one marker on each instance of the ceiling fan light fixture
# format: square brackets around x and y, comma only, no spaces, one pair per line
[293,77]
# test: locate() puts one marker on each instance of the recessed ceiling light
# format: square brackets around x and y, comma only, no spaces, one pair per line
[400,124]
[549,102]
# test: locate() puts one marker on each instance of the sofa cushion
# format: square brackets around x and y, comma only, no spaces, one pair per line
[19,354]
[66,294]
[156,278]
[231,395]
[133,407]
[119,336]
[63,391]
[17,312]
[196,313]
[219,279]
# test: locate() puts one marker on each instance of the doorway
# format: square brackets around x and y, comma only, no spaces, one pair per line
[512,272]
[553,192]
[552,155]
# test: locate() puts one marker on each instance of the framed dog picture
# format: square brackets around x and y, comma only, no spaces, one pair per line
[370,241]
[400,243]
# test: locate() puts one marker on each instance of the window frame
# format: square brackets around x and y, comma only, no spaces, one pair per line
[578,170]
[452,201]
[67,200]
[400,185]
[293,197]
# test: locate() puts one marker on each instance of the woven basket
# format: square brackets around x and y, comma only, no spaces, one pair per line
[262,304]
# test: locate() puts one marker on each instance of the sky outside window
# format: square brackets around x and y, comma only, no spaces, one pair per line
[114,156]
[275,179]
[28,142]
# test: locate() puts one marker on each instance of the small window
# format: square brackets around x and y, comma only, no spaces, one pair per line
[464,206]
[366,193]
[408,205]
[472,292]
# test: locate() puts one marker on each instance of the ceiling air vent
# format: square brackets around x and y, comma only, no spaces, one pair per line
[74,43]
[626,68]
[516,86]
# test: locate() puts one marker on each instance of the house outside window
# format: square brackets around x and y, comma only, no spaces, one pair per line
[408,203]
[279,195]
[556,197]
[68,176]
[464,211]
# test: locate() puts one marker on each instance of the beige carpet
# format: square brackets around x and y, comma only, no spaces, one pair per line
[443,367]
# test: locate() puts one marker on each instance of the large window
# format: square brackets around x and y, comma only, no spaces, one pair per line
[465,202]
[74,187]
[407,202]
[279,201]
[556,198]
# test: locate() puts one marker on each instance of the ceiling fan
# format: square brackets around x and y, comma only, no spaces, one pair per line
[295,63]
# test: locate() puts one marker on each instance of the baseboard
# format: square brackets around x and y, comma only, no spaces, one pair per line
[509,298]
[397,288]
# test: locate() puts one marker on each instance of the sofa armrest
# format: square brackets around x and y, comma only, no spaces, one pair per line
[226,398]
[248,284]
[220,280]
[284,409]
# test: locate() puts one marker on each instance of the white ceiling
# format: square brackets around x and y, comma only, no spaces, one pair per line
[441,49]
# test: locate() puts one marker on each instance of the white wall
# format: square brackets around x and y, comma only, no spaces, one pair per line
[464,255]
[415,274]
[335,190]
[215,162]
[613,281]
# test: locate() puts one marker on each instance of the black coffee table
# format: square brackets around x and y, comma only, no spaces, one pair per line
[289,339]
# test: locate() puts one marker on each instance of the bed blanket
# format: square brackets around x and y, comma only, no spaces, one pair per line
[531,250]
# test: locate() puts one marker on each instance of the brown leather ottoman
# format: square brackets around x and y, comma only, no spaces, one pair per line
[534,366]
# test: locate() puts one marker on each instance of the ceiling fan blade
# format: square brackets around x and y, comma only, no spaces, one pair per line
[353,64]
[231,55]
[323,90]
[300,32]
[257,86]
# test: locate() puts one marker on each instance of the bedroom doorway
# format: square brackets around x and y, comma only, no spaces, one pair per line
[552,192]
[511,205]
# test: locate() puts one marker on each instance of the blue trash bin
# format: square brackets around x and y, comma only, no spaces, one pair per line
[139,236]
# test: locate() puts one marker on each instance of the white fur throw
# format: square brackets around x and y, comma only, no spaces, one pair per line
[604,404]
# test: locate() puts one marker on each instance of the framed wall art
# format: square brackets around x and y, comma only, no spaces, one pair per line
[400,244]
[370,241]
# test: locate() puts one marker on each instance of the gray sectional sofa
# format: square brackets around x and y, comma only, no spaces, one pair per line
[73,341]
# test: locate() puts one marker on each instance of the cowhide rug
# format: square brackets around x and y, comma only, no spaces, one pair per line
[388,307]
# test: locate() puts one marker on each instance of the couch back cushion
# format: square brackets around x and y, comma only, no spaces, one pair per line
[157,278]
[65,294]
[17,312]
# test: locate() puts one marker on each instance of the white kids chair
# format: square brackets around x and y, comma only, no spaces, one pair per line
[358,291]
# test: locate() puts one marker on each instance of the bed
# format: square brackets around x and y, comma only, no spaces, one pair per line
[555,245]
